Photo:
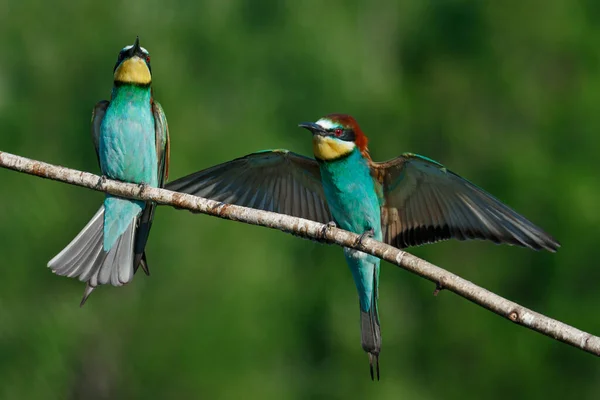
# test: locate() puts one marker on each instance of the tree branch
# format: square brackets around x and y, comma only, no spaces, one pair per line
[316,231]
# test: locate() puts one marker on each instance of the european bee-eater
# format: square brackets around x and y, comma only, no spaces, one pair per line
[408,201]
[131,138]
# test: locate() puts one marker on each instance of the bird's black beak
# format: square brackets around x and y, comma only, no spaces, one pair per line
[314,128]
[136,49]
[136,46]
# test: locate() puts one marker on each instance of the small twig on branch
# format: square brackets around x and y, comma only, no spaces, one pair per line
[316,231]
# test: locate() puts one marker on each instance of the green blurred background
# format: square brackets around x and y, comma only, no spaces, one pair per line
[504,93]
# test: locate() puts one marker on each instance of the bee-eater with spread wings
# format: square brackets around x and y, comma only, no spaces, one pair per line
[408,201]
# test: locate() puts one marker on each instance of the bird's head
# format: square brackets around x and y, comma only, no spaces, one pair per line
[133,66]
[335,136]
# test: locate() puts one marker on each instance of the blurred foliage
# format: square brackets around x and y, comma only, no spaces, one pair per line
[504,93]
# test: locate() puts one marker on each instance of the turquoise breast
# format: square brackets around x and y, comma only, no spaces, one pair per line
[351,194]
[127,137]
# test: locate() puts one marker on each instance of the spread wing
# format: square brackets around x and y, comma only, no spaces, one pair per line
[271,180]
[97,117]
[163,144]
[425,203]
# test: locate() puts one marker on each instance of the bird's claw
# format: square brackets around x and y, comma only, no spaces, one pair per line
[368,233]
[326,228]
[141,187]
[101,182]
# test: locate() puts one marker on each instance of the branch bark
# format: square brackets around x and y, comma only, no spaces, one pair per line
[316,231]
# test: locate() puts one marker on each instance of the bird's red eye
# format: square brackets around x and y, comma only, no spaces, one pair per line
[338,132]
[147,59]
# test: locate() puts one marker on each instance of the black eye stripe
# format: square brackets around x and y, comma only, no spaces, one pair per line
[347,134]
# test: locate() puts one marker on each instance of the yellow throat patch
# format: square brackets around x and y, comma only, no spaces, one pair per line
[327,148]
[133,70]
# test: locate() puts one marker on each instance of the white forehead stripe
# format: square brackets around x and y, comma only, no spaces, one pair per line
[130,46]
[326,123]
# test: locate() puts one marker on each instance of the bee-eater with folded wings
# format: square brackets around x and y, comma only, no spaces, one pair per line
[131,138]
[408,201]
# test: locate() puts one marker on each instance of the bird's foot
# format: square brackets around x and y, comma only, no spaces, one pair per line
[374,359]
[368,233]
[141,188]
[101,182]
[438,289]
[326,228]
[86,293]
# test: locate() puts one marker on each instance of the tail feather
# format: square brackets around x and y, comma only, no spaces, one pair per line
[370,329]
[143,230]
[93,255]
[122,265]
[144,264]
[66,262]
[86,293]
[125,271]
[93,262]
[86,259]
[371,337]
[102,276]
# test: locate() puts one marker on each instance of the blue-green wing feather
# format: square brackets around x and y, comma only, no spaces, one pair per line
[97,116]
[162,142]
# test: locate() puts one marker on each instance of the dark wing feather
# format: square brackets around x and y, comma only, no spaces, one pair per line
[97,117]
[425,203]
[271,180]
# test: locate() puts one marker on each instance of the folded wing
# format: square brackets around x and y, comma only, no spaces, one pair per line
[161,130]
[163,142]
[97,117]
